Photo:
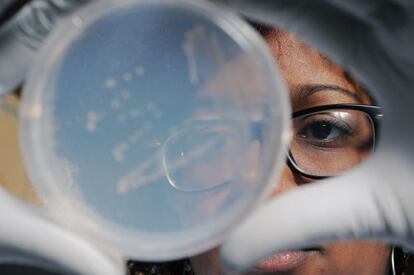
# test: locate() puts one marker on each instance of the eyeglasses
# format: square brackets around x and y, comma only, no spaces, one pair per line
[331,139]
[327,140]
[202,156]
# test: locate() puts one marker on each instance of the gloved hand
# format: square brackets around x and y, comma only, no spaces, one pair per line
[26,235]
[22,35]
[374,41]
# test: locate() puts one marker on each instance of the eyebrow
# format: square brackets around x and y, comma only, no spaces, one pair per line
[304,91]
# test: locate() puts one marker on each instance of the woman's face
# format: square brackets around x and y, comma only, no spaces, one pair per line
[303,67]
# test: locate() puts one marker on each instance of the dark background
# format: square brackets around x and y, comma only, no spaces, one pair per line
[18,270]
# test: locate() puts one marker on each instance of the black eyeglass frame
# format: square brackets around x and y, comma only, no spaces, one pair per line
[374,113]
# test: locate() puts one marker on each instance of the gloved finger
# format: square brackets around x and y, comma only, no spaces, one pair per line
[22,35]
[381,58]
[367,10]
[27,237]
[358,8]
[355,206]
[9,7]
[329,28]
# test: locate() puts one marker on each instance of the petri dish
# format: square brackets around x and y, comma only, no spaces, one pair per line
[154,126]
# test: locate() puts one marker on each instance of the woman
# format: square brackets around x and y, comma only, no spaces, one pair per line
[325,143]
[312,81]
[315,81]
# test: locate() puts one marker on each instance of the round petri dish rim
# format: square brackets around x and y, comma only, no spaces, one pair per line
[35,117]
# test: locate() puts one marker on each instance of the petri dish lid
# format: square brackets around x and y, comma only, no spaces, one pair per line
[154,126]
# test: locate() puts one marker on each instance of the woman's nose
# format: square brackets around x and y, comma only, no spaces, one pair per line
[288,180]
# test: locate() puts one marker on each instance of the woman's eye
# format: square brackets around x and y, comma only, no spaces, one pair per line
[322,132]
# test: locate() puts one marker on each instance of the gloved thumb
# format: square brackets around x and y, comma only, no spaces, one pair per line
[359,205]
[22,35]
[27,237]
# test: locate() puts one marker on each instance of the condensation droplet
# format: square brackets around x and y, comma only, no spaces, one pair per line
[92,120]
[139,71]
[127,76]
[118,153]
[110,83]
[90,126]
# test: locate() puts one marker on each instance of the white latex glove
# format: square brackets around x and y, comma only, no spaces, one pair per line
[26,235]
[22,35]
[374,40]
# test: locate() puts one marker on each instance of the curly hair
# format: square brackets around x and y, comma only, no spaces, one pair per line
[403,262]
[180,267]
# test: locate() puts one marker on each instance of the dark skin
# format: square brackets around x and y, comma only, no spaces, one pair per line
[302,66]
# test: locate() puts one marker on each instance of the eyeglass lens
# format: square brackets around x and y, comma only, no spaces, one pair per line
[330,142]
[201,157]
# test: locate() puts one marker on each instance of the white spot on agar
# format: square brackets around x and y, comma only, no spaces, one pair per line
[92,120]
[115,104]
[110,83]
[127,76]
[139,176]
[91,127]
[118,153]
[122,188]
[118,156]
[140,71]
[125,94]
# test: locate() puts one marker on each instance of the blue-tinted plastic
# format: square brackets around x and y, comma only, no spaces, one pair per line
[145,119]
